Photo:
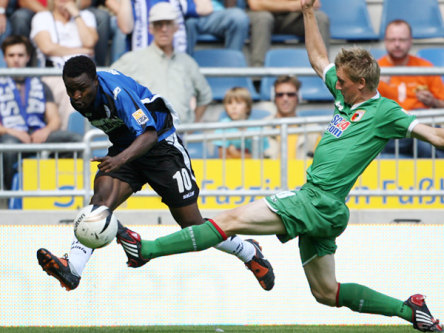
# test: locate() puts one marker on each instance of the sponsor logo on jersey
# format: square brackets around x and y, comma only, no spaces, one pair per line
[188,195]
[357,115]
[338,125]
[107,124]
[116,92]
[140,117]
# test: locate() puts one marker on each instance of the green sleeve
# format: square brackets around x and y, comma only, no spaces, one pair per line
[330,79]
[392,122]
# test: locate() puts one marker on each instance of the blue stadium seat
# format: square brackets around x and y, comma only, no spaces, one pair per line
[378,53]
[312,89]
[315,112]
[424,16]
[285,38]
[15,203]
[255,114]
[224,58]
[198,150]
[349,19]
[209,38]
[433,54]
[76,123]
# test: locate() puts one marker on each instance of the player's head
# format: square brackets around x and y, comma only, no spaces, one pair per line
[80,78]
[17,51]
[286,88]
[358,74]
[238,103]
[163,24]
[398,39]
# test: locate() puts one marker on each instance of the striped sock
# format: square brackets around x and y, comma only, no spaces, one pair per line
[194,238]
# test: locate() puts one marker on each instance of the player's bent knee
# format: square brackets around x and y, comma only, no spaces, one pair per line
[325,297]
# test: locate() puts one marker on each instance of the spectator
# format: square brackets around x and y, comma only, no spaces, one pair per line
[228,23]
[237,103]
[286,90]
[140,36]
[118,9]
[22,17]
[174,75]
[5,25]
[59,34]
[411,92]
[269,17]
[28,113]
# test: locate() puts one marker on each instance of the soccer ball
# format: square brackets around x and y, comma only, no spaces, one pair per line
[95,226]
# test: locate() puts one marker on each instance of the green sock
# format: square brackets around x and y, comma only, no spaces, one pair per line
[362,299]
[194,238]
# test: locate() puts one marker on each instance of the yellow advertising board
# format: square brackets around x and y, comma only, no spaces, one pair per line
[251,174]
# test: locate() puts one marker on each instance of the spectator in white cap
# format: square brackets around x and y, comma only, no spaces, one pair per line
[136,23]
[174,75]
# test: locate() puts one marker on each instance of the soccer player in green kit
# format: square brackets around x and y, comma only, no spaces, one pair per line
[362,123]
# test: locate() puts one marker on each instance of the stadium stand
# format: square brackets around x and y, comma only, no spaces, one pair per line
[349,20]
[424,16]
[433,54]
[312,89]
[314,112]
[256,114]
[224,58]
[377,53]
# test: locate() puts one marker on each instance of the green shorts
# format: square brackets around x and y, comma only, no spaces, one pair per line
[314,215]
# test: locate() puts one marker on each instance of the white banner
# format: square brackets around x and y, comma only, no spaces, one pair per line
[212,287]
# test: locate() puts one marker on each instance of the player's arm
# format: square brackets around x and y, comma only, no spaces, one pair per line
[317,52]
[430,134]
[140,146]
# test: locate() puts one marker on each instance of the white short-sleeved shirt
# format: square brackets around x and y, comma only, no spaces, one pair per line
[63,34]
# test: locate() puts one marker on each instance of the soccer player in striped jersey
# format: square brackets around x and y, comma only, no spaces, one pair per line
[145,149]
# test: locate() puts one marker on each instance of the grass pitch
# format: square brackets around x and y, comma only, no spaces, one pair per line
[216,329]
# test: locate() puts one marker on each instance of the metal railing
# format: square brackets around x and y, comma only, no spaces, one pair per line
[204,133]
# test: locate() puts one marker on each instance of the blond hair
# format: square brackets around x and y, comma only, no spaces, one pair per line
[239,94]
[358,63]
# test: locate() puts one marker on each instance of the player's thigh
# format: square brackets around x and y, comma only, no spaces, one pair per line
[255,218]
[321,276]
[187,215]
[110,191]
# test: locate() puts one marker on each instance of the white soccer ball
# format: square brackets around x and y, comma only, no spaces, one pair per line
[95,226]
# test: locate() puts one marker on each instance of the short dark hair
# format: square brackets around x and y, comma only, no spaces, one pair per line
[288,79]
[78,65]
[17,39]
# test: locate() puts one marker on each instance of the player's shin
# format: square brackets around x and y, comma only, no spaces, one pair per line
[362,299]
[194,238]
[78,256]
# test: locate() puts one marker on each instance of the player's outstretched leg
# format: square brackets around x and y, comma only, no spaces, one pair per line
[261,267]
[132,245]
[422,318]
[58,268]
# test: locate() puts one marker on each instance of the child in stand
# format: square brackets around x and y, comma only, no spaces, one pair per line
[238,103]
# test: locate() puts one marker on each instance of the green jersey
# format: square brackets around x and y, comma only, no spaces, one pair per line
[355,136]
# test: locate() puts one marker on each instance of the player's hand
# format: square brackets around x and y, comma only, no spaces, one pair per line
[108,163]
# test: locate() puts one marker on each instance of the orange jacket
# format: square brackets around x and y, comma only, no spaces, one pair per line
[403,89]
